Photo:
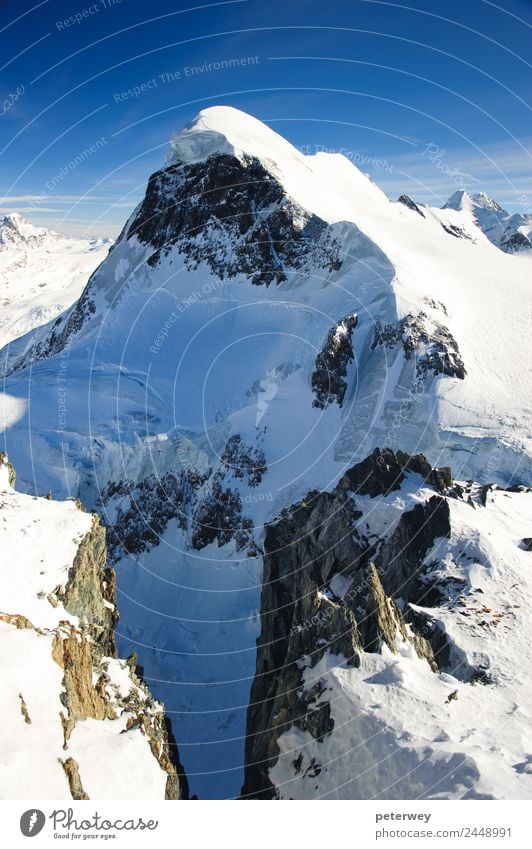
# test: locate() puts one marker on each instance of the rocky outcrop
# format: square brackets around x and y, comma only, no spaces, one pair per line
[516,242]
[431,344]
[218,512]
[329,586]
[407,201]
[11,474]
[136,514]
[232,214]
[82,698]
[457,232]
[59,335]
[90,589]
[205,503]
[90,595]
[329,379]
[76,619]
[74,781]
[385,624]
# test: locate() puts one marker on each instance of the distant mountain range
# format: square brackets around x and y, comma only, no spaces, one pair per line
[41,273]
[511,233]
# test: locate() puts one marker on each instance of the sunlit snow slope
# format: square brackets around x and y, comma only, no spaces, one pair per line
[264,321]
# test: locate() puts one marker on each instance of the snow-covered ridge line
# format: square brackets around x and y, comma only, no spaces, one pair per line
[77,721]
[223,130]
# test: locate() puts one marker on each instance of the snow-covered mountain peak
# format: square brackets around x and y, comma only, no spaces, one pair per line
[510,233]
[324,184]
[266,321]
[14,219]
[465,200]
[457,200]
[41,273]
[483,200]
[223,129]
[17,232]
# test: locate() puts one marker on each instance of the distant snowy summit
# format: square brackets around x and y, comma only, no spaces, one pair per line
[16,232]
[41,273]
[510,233]
[19,233]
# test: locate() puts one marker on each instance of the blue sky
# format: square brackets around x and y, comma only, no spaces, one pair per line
[425,96]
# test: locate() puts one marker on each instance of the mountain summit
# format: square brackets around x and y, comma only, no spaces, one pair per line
[17,232]
[510,233]
[41,273]
[270,329]
[224,130]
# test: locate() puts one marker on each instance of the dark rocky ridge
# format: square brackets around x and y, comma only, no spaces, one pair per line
[322,537]
[516,242]
[457,232]
[329,379]
[411,204]
[227,212]
[432,344]
[205,503]
[235,216]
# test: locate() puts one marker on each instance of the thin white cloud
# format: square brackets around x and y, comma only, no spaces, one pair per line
[9,210]
[45,198]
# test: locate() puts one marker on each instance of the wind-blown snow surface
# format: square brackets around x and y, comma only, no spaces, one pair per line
[39,540]
[41,274]
[173,350]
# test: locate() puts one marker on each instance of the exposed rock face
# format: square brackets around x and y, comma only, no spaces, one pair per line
[516,242]
[138,513]
[74,781]
[60,334]
[329,380]
[76,619]
[407,201]
[328,587]
[11,474]
[205,503]
[232,214]
[384,471]
[457,232]
[90,594]
[217,514]
[432,344]
[90,590]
